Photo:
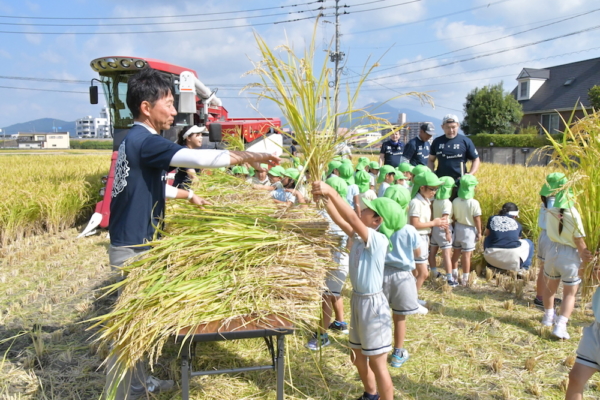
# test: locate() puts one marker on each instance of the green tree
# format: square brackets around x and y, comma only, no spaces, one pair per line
[594,96]
[490,110]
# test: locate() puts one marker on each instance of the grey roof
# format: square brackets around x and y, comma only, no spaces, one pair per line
[554,94]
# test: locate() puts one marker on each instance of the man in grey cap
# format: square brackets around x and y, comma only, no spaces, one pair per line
[416,151]
[452,151]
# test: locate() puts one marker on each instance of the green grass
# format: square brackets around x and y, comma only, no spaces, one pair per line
[474,344]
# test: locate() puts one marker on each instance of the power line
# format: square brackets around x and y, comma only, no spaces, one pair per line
[162,16]
[24,78]
[432,18]
[381,8]
[487,54]
[492,40]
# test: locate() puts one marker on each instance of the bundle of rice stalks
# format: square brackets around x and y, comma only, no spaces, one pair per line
[577,155]
[303,93]
[242,257]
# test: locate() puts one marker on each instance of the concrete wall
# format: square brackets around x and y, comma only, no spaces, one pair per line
[513,156]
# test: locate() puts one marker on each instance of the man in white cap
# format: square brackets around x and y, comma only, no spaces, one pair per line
[416,151]
[452,151]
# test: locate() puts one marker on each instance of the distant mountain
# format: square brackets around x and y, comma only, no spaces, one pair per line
[42,125]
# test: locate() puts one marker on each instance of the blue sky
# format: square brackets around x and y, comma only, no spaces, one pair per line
[442,47]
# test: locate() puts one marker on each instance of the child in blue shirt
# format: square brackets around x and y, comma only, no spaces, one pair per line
[370,323]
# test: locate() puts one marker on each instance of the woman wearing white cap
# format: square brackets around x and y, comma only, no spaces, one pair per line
[504,248]
[192,139]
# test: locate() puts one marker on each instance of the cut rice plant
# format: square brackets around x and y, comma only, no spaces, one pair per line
[243,257]
[577,155]
[303,94]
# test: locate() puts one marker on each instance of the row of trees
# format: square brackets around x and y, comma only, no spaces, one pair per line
[491,110]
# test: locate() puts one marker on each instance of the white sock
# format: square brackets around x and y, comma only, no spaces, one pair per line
[455,273]
[434,271]
[549,312]
[560,320]
[465,276]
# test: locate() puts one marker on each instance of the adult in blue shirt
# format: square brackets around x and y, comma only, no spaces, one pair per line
[139,192]
[416,151]
[391,151]
[452,151]
[503,246]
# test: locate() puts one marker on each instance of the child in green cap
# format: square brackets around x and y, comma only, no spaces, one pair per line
[363,181]
[242,172]
[370,334]
[332,301]
[564,260]
[275,177]
[467,225]
[347,173]
[260,177]
[419,213]
[550,186]
[407,170]
[387,176]
[441,238]
[374,172]
[399,284]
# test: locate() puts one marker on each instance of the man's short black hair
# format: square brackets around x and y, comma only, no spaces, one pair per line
[147,85]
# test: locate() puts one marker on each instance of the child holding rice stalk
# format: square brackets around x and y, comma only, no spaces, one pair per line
[563,260]
[544,242]
[441,238]
[399,284]
[334,281]
[387,176]
[467,225]
[419,213]
[370,324]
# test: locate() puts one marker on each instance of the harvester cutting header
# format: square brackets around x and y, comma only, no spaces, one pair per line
[196,104]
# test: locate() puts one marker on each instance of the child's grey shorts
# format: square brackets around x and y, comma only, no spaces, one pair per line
[588,352]
[334,280]
[464,237]
[544,243]
[562,262]
[400,289]
[438,238]
[424,246]
[370,324]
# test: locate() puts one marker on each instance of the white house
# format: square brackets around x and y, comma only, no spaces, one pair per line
[43,140]
[90,127]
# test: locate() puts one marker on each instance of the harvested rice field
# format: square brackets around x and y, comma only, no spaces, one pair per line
[482,342]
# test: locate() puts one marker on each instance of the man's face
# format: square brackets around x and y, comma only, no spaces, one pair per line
[450,129]
[395,136]
[424,136]
[162,113]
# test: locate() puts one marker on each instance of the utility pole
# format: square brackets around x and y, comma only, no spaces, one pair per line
[336,57]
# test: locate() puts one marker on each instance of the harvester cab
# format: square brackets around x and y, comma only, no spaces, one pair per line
[196,105]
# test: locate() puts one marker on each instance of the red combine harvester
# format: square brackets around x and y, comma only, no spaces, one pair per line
[196,105]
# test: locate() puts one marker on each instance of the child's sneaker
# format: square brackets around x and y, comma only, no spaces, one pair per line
[367,396]
[422,310]
[452,283]
[421,302]
[548,320]
[339,327]
[399,357]
[560,331]
[314,345]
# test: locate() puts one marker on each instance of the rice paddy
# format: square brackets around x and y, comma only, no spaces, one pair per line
[481,342]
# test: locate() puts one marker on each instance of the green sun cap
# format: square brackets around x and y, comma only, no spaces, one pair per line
[374,165]
[400,175]
[347,172]
[466,190]
[362,163]
[445,190]
[383,171]
[399,194]
[240,169]
[277,171]
[405,167]
[292,173]
[426,178]
[394,217]
[339,185]
[333,165]
[362,180]
[553,182]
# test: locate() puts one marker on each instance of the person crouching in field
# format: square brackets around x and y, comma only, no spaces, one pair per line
[419,214]
[399,284]
[370,324]
[441,238]
[467,226]
[564,260]
[588,353]
[334,281]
